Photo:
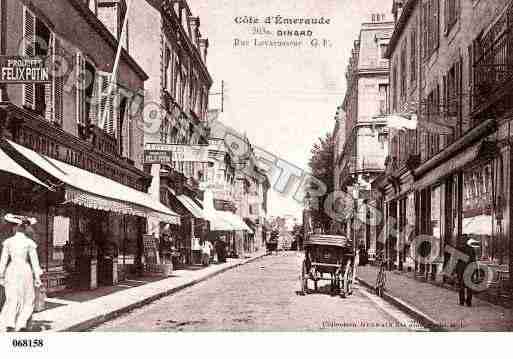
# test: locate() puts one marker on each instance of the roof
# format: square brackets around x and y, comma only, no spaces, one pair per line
[327,240]
[399,26]
[107,36]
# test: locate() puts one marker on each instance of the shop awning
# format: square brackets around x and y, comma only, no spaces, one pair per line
[191,206]
[479,225]
[7,164]
[238,223]
[91,190]
[480,151]
[218,221]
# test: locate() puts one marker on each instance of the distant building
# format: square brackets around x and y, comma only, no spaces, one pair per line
[362,157]
[165,39]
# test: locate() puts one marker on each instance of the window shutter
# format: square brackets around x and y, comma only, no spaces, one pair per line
[94,102]
[58,83]
[80,88]
[49,87]
[446,14]
[105,103]
[29,31]
[436,23]
[470,74]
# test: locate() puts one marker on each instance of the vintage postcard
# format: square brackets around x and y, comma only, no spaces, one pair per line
[255,166]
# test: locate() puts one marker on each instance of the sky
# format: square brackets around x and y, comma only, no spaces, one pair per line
[284,99]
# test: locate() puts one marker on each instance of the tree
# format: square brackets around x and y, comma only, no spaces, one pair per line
[322,167]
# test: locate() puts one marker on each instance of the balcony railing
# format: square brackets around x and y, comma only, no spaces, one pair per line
[493,60]
[402,147]
[368,163]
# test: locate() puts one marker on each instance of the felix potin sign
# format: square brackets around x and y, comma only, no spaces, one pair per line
[181,153]
[23,70]
[156,157]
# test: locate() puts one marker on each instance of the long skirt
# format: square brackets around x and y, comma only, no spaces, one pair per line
[19,296]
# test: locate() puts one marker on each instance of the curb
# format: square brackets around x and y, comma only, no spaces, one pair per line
[416,313]
[100,319]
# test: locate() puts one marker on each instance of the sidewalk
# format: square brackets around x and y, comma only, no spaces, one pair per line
[438,307]
[89,309]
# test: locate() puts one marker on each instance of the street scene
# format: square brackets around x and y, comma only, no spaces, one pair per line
[261,296]
[275,166]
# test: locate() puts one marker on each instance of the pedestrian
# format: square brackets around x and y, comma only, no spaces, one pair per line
[206,251]
[467,246]
[20,274]
[221,249]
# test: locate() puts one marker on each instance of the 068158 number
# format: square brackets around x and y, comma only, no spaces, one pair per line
[27,343]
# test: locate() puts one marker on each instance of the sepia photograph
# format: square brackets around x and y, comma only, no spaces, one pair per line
[220,167]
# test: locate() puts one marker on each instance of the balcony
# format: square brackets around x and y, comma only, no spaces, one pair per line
[403,150]
[370,163]
[493,68]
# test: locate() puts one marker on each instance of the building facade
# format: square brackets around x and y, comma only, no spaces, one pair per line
[84,146]
[362,158]
[165,39]
[450,177]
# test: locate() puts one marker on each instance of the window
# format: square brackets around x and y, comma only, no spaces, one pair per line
[413,56]
[430,26]
[89,93]
[452,92]
[166,78]
[394,88]
[404,73]
[382,50]
[433,102]
[452,12]
[383,99]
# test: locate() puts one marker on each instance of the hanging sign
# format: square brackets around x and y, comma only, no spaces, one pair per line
[181,153]
[156,157]
[23,70]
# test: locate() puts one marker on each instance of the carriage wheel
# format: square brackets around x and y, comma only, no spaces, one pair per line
[304,280]
[348,279]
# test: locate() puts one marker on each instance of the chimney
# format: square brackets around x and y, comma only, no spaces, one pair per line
[203,46]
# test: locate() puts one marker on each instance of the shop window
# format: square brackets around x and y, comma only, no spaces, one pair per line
[435,229]
[478,222]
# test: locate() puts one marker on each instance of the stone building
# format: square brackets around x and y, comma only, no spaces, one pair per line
[450,177]
[365,104]
[86,187]
[165,39]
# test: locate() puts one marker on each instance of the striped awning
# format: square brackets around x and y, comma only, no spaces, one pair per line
[191,206]
[91,190]
[7,164]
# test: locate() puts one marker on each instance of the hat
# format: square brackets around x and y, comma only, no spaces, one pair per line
[17,219]
[473,243]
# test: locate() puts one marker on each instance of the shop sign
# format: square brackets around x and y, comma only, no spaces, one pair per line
[181,153]
[150,249]
[23,70]
[156,157]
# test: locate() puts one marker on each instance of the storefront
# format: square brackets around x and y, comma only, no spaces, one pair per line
[89,229]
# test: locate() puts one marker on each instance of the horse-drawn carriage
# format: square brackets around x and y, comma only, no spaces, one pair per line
[331,256]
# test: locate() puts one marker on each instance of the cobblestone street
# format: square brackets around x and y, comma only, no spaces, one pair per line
[261,296]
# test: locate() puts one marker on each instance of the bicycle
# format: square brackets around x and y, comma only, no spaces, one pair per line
[381,278]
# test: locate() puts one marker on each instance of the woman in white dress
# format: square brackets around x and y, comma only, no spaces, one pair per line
[19,273]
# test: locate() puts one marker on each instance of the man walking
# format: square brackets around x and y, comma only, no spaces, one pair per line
[465,292]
